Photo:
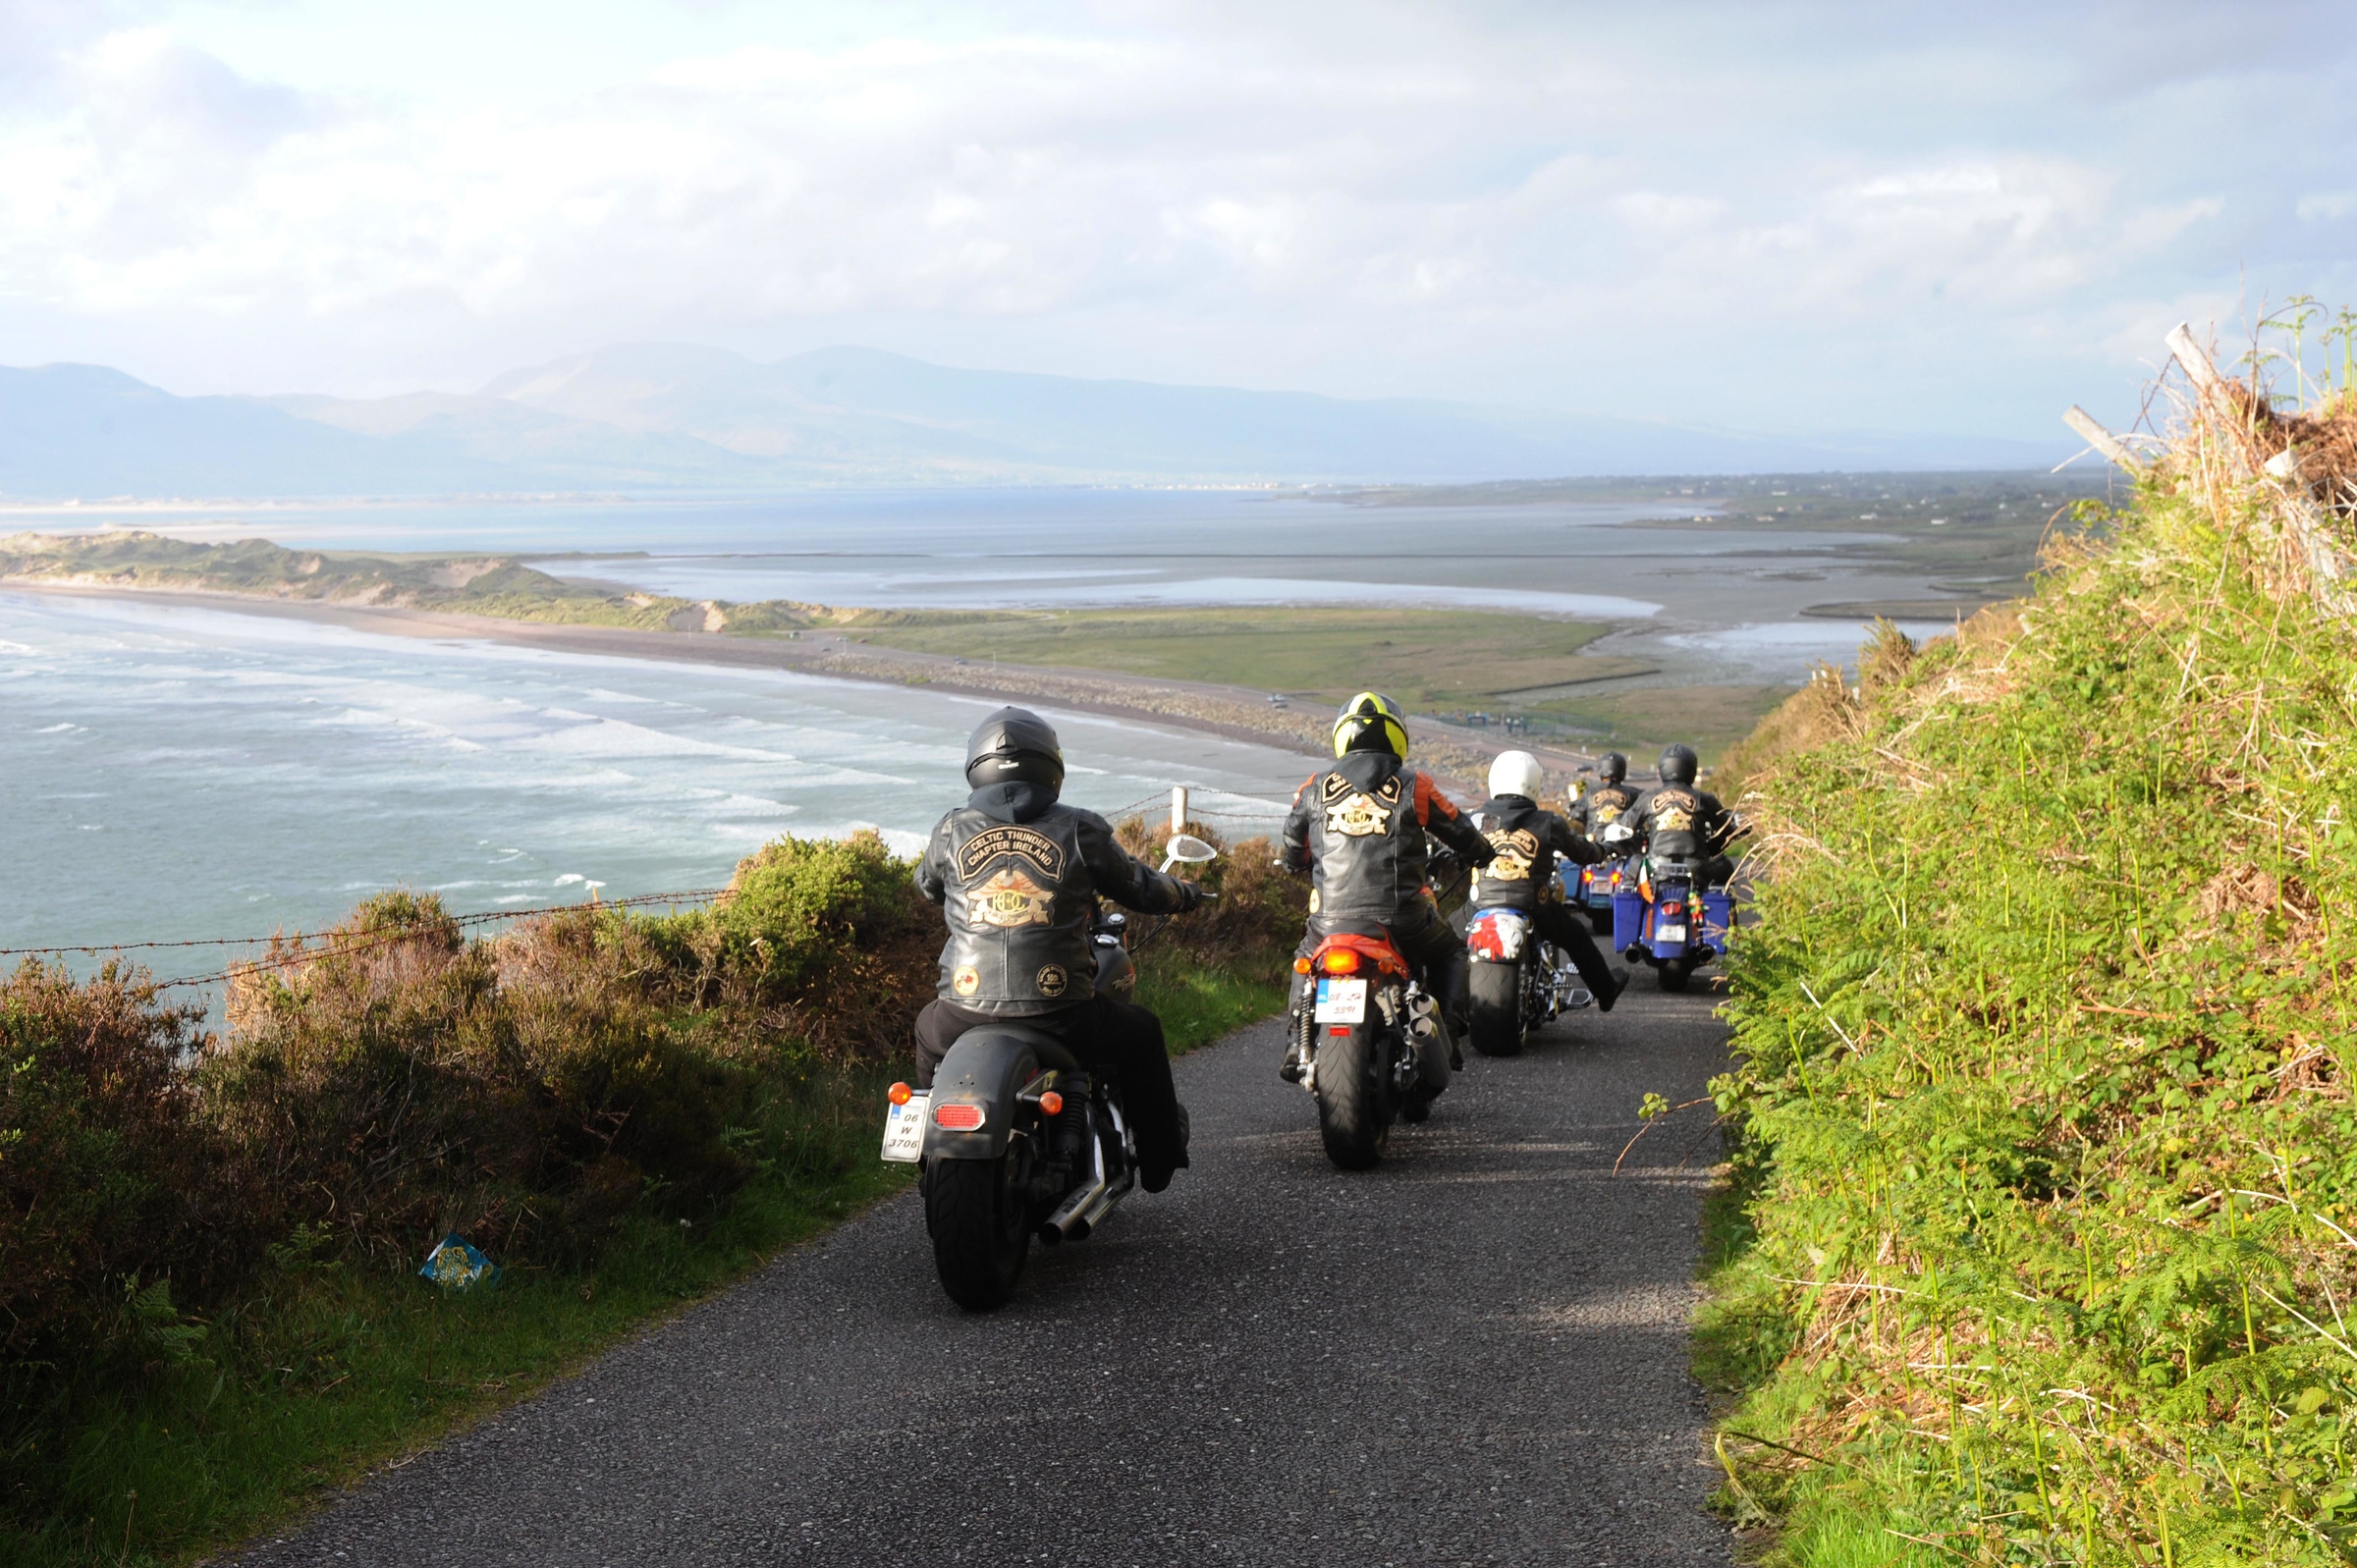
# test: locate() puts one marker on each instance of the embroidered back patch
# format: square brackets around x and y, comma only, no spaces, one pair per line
[1009,841]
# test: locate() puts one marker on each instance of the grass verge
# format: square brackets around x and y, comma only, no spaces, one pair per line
[331,1366]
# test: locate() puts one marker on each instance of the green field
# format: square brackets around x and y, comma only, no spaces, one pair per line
[1428,658]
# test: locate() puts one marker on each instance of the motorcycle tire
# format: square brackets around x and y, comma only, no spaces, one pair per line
[979,1223]
[1674,974]
[1355,1111]
[1496,990]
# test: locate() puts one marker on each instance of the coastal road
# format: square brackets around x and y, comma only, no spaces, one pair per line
[1475,1354]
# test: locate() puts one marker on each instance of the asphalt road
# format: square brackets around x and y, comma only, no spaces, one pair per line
[1472,1355]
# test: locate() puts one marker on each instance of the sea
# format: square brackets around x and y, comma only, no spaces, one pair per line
[171,773]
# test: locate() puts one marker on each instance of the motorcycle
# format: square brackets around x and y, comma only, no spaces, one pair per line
[1662,916]
[1368,1045]
[1600,882]
[1015,1141]
[1518,984]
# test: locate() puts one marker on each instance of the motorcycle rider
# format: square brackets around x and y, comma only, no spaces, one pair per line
[1678,821]
[1603,804]
[1527,837]
[1361,827]
[1016,875]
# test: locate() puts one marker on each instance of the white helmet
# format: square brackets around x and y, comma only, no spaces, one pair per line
[1517,772]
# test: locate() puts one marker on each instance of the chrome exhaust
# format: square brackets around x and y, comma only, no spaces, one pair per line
[1086,1209]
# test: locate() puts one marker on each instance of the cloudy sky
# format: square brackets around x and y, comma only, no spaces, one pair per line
[1760,215]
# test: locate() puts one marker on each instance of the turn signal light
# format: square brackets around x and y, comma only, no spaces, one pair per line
[1051,1103]
[1342,961]
[956,1117]
[1300,966]
[900,1093]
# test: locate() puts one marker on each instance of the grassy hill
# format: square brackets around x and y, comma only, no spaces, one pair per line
[2040,1246]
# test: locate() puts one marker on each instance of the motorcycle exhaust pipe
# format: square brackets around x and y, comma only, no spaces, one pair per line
[1073,1219]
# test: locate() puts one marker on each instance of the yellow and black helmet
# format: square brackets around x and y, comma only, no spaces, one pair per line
[1371,722]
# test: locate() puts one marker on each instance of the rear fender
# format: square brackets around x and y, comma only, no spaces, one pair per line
[986,1068]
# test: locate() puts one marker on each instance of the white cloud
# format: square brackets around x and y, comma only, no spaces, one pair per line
[1555,205]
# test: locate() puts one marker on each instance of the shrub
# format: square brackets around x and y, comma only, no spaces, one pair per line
[106,1177]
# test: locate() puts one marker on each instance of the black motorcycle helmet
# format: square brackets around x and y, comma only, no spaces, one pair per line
[1612,767]
[1015,745]
[1679,765]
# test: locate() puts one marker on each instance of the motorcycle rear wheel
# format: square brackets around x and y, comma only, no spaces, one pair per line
[1354,1119]
[978,1223]
[1674,974]
[1496,990]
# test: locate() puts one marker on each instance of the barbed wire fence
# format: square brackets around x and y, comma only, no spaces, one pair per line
[1236,817]
[301,953]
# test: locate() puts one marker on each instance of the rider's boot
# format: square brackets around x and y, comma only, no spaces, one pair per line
[1154,1174]
[1606,999]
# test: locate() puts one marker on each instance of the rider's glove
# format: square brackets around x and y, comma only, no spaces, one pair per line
[1191,898]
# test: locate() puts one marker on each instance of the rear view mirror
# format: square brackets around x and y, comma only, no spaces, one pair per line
[1185,850]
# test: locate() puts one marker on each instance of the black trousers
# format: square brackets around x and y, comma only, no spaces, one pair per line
[1432,946]
[1103,1034]
[1557,923]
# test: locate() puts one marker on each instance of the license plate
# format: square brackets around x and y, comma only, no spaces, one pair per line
[904,1130]
[1340,1001]
[1669,933]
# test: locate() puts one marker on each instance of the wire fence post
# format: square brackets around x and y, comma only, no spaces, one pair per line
[1177,808]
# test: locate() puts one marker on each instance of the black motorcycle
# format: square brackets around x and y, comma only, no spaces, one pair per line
[1016,1140]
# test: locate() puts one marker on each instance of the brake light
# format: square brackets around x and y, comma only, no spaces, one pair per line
[958,1117]
[1340,960]
[1342,1029]
[1052,1104]
[900,1093]
[1300,966]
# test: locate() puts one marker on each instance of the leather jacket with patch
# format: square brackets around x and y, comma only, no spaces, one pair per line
[1360,827]
[1016,874]
[1678,822]
[1527,837]
[1601,807]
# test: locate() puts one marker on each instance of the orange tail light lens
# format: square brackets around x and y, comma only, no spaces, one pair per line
[1052,1104]
[900,1093]
[1300,966]
[1342,961]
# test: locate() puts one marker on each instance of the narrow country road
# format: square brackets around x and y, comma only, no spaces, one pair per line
[1473,1355]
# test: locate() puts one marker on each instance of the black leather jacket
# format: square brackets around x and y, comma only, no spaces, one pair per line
[1681,823]
[1361,826]
[1016,874]
[1527,839]
[1601,807]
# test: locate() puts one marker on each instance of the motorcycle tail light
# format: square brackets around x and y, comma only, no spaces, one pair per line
[1300,966]
[1342,961]
[1052,1104]
[958,1118]
[900,1093]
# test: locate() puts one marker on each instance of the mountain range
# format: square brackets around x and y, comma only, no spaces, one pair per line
[671,416]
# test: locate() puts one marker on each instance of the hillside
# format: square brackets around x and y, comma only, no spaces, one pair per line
[658,417]
[2039,1248]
